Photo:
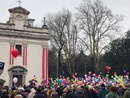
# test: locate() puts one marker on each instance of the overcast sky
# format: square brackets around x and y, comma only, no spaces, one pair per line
[39,8]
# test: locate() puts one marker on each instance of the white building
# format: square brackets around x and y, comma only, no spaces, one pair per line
[32,44]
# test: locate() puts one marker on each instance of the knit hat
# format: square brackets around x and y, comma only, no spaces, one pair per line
[18,96]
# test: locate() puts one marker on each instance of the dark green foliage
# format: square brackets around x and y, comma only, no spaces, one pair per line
[52,63]
[119,54]
[82,63]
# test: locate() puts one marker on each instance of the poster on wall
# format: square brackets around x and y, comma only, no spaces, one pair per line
[2,64]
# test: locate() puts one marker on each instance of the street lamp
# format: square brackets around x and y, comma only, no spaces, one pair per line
[57,65]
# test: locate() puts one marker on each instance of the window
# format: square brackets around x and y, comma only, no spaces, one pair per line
[19,48]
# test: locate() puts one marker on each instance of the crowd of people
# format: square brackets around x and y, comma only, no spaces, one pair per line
[92,86]
[68,91]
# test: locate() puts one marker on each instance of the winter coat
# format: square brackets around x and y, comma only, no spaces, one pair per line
[39,95]
[4,95]
[32,93]
[102,92]
[69,94]
[54,94]
[92,94]
[59,91]
[112,95]
[127,93]
[79,93]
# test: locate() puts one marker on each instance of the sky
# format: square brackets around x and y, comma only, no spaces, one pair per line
[39,8]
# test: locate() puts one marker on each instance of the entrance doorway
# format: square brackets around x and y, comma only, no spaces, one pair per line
[20,73]
[19,77]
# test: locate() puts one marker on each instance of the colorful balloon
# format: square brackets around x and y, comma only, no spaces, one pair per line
[15,79]
[14,52]
[108,68]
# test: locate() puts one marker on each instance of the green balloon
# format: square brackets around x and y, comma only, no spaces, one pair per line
[107,75]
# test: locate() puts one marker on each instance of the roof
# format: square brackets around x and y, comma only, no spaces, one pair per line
[19,9]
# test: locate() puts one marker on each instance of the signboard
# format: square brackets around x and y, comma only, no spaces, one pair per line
[2,64]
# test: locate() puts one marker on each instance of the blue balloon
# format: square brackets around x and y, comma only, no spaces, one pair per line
[60,81]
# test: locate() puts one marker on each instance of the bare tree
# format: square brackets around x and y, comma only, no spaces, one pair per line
[63,36]
[70,46]
[98,23]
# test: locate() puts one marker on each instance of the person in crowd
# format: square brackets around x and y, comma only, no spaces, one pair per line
[49,91]
[59,90]
[112,93]
[96,88]
[121,91]
[44,92]
[54,94]
[32,93]
[18,96]
[86,91]
[21,92]
[79,93]
[13,93]
[127,93]
[91,92]
[4,94]
[27,90]
[73,88]
[102,91]
[67,93]
[39,94]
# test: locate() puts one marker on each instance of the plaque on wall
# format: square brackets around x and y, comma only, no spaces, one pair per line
[2,64]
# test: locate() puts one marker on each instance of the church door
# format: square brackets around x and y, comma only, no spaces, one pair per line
[19,77]
[20,73]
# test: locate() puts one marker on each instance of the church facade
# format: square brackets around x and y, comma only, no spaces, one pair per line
[32,45]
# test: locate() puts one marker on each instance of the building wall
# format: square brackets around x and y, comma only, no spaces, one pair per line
[4,57]
[34,58]
[18,31]
[34,62]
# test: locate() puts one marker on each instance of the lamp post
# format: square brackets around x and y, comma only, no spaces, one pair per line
[57,65]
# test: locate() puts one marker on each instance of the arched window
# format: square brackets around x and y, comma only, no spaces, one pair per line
[19,17]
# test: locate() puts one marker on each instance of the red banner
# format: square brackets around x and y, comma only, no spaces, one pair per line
[11,60]
[45,65]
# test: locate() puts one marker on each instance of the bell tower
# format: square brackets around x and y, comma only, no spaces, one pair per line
[19,18]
